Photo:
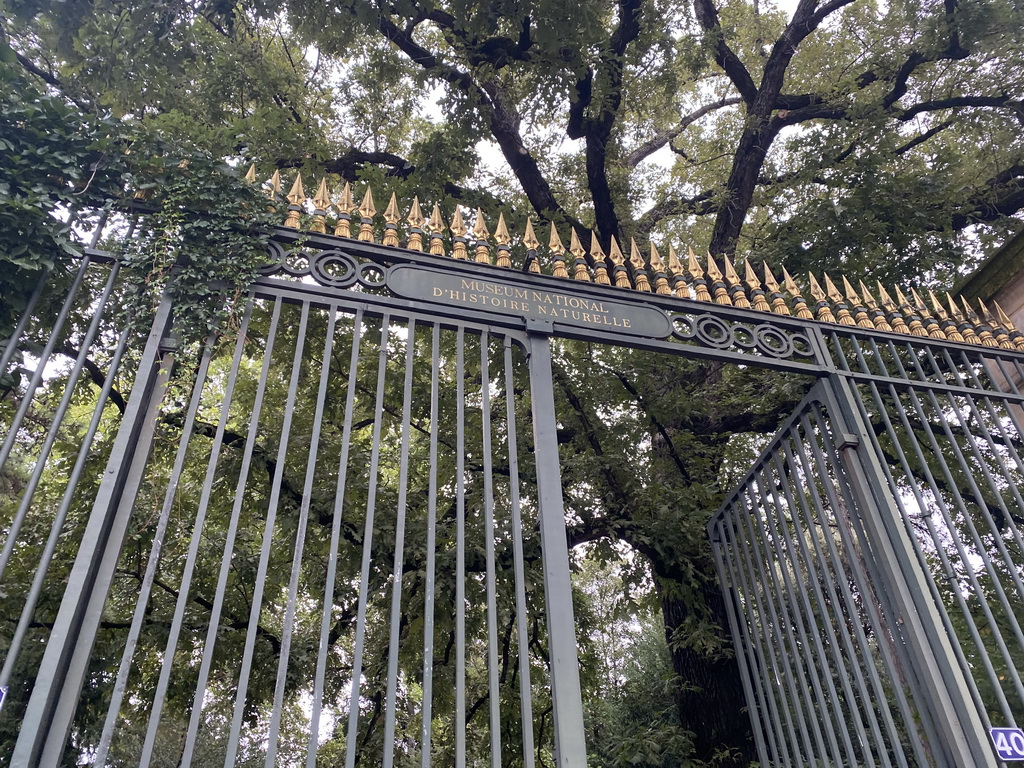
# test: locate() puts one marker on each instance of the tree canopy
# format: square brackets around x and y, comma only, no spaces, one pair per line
[867,137]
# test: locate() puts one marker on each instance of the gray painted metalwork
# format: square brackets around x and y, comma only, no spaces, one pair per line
[350,519]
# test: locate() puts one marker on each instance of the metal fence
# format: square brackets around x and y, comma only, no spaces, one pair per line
[336,534]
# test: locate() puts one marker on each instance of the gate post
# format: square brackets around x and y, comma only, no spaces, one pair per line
[62,672]
[566,696]
[944,689]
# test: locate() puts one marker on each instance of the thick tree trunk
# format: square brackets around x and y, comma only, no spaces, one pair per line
[709,697]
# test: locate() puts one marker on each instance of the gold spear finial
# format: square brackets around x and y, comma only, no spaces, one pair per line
[296,197]
[799,303]
[913,318]
[415,220]
[435,226]
[779,306]
[366,211]
[391,217]
[502,239]
[459,236]
[321,201]
[619,273]
[735,288]
[860,312]
[718,289]
[480,232]
[579,263]
[1001,335]
[893,314]
[984,331]
[661,286]
[558,253]
[945,322]
[874,311]
[532,243]
[275,185]
[963,323]
[677,274]
[931,325]
[345,206]
[700,285]
[1015,335]
[821,309]
[250,175]
[843,315]
[757,296]
[636,261]
[600,262]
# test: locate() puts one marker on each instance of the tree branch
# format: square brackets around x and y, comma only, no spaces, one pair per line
[660,140]
[725,57]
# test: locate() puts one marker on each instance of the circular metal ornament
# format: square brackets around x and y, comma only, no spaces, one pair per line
[277,256]
[714,333]
[682,327]
[773,342]
[372,275]
[801,345]
[333,268]
[744,337]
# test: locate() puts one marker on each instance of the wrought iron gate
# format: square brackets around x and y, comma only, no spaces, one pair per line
[356,514]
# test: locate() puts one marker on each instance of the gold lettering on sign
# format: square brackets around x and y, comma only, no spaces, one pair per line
[558,306]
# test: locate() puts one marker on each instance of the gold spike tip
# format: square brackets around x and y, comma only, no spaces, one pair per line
[501,234]
[656,263]
[984,311]
[275,183]
[816,290]
[250,175]
[883,294]
[595,246]
[713,271]
[675,267]
[458,225]
[480,231]
[391,214]
[918,301]
[322,199]
[555,242]
[1004,318]
[635,259]
[530,237]
[436,223]
[297,195]
[954,310]
[615,253]
[831,290]
[730,272]
[769,279]
[415,218]
[851,294]
[902,299]
[346,204]
[750,277]
[693,266]
[866,294]
[367,208]
[791,286]
[936,304]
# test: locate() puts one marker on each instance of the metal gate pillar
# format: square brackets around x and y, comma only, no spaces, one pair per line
[51,707]
[944,688]
[566,695]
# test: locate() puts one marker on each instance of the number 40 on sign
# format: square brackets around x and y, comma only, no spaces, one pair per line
[1009,743]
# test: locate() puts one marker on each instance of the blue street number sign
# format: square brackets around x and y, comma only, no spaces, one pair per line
[1009,743]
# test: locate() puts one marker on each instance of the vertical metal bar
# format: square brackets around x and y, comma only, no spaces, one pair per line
[332,558]
[523,642]
[44,359]
[944,685]
[460,550]
[364,578]
[300,540]
[19,328]
[397,567]
[227,554]
[58,684]
[755,699]
[56,422]
[768,654]
[567,699]
[141,603]
[492,600]
[429,576]
[256,607]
